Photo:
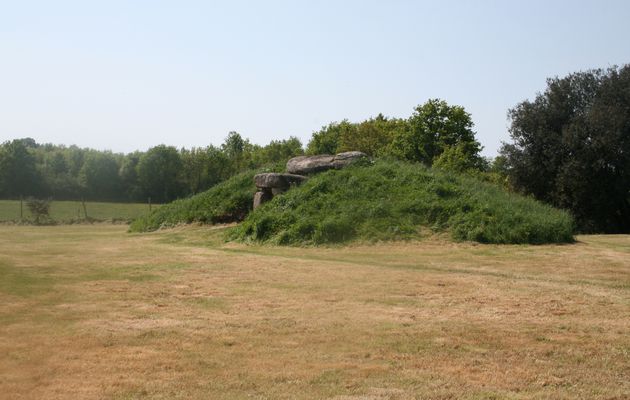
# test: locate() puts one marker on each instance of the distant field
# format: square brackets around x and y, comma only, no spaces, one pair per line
[72,210]
[92,312]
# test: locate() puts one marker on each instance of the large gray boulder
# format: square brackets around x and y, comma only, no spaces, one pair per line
[309,164]
[273,180]
[304,165]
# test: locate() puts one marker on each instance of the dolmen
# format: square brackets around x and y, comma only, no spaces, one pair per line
[272,184]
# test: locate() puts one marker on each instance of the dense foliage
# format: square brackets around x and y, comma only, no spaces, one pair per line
[396,200]
[162,173]
[571,148]
[433,129]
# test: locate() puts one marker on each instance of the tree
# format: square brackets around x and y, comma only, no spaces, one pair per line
[432,128]
[571,147]
[238,151]
[204,168]
[99,176]
[326,140]
[277,151]
[128,175]
[371,136]
[18,173]
[159,173]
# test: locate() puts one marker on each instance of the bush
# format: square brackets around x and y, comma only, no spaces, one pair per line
[40,210]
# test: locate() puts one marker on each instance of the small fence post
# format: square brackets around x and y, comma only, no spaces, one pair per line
[149,204]
[21,209]
[84,208]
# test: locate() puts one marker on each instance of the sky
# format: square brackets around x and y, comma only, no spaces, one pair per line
[129,75]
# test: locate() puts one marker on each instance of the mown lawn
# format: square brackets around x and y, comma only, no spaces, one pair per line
[63,211]
[92,312]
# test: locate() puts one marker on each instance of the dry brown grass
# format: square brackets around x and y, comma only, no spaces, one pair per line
[92,312]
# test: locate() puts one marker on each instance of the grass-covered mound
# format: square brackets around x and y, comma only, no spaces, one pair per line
[394,200]
[229,201]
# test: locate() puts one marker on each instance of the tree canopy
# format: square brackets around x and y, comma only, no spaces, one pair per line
[433,128]
[163,173]
[571,147]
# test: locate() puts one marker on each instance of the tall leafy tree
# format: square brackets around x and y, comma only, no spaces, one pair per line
[371,136]
[99,176]
[327,139]
[159,173]
[277,151]
[18,172]
[433,128]
[571,147]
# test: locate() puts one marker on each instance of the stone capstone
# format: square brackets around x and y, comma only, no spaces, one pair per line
[309,164]
[272,184]
[304,165]
[273,180]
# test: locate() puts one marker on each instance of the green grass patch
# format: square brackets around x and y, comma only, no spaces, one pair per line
[394,200]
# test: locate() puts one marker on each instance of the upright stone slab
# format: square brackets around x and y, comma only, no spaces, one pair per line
[262,197]
[271,184]
[273,180]
[304,165]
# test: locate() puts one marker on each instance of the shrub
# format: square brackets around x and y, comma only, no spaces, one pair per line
[40,209]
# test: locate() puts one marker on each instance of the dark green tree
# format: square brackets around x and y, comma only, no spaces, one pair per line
[277,151]
[99,176]
[203,168]
[571,147]
[159,173]
[18,172]
[128,174]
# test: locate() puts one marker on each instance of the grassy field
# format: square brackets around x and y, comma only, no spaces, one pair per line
[92,312]
[62,211]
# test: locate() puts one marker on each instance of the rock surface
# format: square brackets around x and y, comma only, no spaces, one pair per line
[310,164]
[273,180]
[304,165]
[261,197]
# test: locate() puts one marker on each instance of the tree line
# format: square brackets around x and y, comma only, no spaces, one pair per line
[162,173]
[435,133]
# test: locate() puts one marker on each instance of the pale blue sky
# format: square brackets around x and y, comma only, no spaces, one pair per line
[127,75]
